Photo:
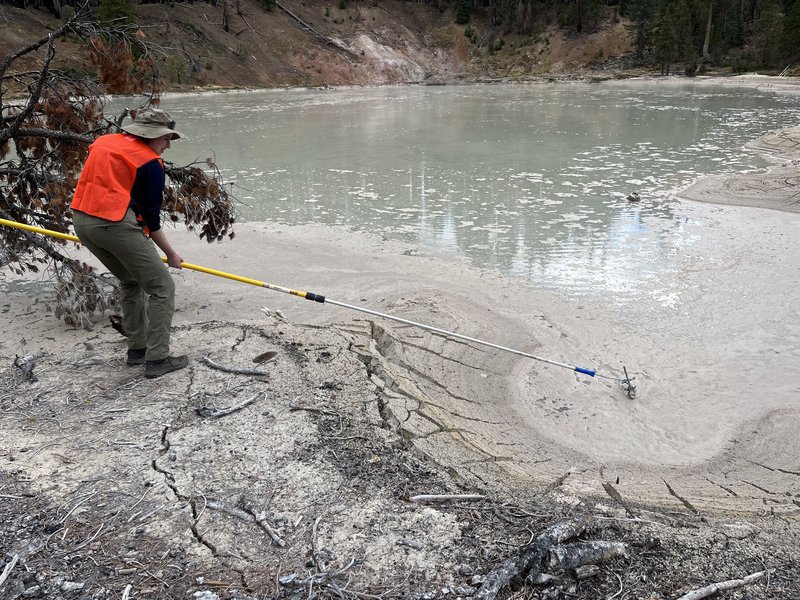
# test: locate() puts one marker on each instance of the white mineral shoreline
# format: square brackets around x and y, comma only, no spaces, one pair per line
[717,376]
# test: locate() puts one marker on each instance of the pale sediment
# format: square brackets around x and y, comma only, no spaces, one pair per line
[777,189]
[713,425]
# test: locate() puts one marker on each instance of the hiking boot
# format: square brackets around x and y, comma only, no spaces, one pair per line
[157,368]
[136,356]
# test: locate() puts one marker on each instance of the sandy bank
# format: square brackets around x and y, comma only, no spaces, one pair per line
[777,189]
[496,417]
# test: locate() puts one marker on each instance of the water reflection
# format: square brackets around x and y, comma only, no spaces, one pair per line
[528,180]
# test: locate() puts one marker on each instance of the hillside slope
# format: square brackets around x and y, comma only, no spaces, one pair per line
[316,43]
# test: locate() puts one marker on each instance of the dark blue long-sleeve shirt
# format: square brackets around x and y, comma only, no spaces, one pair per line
[147,194]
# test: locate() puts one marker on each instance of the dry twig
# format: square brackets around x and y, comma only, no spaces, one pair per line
[722,586]
[424,498]
[205,411]
[261,518]
[237,370]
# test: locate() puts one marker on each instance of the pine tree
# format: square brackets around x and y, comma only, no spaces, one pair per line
[790,40]
[673,39]
[765,41]
[462,12]
[642,15]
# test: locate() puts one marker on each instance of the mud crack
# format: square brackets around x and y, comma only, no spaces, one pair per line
[169,480]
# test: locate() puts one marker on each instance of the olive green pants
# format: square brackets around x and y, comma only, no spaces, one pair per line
[146,286]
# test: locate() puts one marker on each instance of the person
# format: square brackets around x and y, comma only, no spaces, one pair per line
[116,208]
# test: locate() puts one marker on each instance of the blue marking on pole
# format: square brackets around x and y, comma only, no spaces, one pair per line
[588,372]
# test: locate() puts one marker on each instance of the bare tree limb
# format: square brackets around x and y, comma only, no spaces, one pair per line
[261,518]
[722,586]
[572,556]
[238,371]
[204,411]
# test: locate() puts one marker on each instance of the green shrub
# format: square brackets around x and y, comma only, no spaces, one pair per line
[117,11]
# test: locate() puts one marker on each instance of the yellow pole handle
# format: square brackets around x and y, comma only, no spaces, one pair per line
[201,269]
[320,298]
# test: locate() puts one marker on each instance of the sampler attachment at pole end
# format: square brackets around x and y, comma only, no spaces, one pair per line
[627,384]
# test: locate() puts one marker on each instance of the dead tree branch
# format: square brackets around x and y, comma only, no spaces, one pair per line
[722,586]
[205,411]
[349,53]
[261,518]
[529,560]
[236,370]
[426,498]
[572,556]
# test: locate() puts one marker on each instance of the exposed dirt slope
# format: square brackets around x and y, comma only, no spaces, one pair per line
[114,485]
[316,43]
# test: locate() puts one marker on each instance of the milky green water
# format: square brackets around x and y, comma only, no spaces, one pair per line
[528,180]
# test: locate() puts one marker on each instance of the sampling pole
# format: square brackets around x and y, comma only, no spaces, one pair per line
[626,382]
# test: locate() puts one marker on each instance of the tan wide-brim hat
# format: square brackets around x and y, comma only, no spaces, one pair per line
[151,123]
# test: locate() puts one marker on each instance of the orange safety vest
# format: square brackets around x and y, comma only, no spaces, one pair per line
[104,187]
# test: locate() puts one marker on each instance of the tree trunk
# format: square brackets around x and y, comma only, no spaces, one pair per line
[707,40]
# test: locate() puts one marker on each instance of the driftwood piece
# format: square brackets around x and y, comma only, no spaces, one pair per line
[572,556]
[529,560]
[722,586]
[237,370]
[424,498]
[205,411]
